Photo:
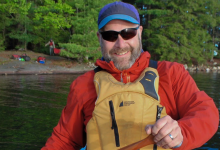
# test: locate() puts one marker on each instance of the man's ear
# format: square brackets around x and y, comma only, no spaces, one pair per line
[141,29]
[98,35]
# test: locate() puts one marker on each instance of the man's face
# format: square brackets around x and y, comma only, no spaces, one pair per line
[122,52]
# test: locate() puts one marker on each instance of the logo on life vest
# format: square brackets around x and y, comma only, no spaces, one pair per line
[126,103]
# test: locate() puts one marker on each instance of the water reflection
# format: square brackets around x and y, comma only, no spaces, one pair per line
[210,83]
[30,106]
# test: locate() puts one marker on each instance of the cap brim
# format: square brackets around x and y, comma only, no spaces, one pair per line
[117,16]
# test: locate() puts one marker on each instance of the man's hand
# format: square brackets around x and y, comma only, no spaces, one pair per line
[166,132]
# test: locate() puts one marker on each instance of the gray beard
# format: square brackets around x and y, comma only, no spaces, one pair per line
[119,63]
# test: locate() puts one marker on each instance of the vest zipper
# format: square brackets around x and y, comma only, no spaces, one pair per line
[114,124]
[159,110]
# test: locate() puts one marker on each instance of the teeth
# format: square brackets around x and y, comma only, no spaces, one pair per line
[121,53]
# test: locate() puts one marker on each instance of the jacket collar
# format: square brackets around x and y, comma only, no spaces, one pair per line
[140,64]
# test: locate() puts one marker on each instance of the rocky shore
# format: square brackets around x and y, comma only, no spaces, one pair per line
[209,67]
[53,64]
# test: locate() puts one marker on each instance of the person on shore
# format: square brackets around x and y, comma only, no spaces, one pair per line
[52,46]
[129,97]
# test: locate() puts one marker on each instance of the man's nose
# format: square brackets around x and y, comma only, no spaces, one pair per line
[120,42]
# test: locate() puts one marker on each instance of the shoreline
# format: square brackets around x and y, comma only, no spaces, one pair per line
[16,67]
[41,73]
[60,65]
[53,65]
[202,68]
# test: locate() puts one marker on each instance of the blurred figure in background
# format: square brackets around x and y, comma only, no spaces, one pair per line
[52,46]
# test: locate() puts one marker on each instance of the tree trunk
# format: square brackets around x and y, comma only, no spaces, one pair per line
[213,40]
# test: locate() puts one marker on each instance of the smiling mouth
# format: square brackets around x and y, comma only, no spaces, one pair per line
[122,53]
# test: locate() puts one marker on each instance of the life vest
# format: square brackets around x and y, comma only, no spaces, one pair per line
[123,110]
[41,59]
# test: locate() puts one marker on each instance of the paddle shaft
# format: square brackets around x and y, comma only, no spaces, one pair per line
[147,141]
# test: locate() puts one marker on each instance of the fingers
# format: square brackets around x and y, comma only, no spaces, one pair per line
[168,142]
[154,129]
[171,144]
[166,132]
[148,129]
[163,127]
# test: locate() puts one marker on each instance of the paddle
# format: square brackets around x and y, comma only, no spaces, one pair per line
[147,141]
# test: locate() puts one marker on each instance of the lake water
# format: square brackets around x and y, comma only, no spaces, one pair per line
[30,106]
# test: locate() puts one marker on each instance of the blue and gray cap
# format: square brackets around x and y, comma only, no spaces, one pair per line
[118,10]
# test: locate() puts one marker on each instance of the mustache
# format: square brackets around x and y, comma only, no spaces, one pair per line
[120,50]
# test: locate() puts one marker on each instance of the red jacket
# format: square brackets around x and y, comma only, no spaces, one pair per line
[195,111]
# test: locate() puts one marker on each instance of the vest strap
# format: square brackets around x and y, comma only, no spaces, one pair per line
[153,64]
[97,69]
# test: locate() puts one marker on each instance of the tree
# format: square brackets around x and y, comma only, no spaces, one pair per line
[175,30]
[211,20]
[18,11]
[52,20]
[5,22]
[83,42]
[14,15]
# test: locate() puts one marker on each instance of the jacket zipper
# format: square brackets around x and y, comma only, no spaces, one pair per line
[159,110]
[121,78]
[114,124]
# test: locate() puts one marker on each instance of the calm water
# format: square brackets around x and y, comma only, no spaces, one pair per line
[30,106]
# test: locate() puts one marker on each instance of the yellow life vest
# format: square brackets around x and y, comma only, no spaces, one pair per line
[123,110]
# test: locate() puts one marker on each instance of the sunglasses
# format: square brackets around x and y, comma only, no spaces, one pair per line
[126,34]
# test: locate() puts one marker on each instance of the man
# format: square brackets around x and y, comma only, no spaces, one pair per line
[52,46]
[191,117]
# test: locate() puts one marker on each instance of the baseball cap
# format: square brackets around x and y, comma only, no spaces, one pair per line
[118,10]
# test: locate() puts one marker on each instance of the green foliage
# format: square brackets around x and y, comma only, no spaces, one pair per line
[79,52]
[52,20]
[1,44]
[53,15]
[85,25]
[81,24]
[17,11]
[179,30]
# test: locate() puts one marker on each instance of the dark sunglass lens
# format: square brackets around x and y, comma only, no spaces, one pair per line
[128,33]
[110,36]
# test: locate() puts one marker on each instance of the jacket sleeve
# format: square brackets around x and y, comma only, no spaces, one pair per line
[69,134]
[194,110]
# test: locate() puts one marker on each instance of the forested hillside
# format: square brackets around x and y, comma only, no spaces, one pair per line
[174,30]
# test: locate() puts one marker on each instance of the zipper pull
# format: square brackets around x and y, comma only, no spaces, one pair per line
[159,111]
